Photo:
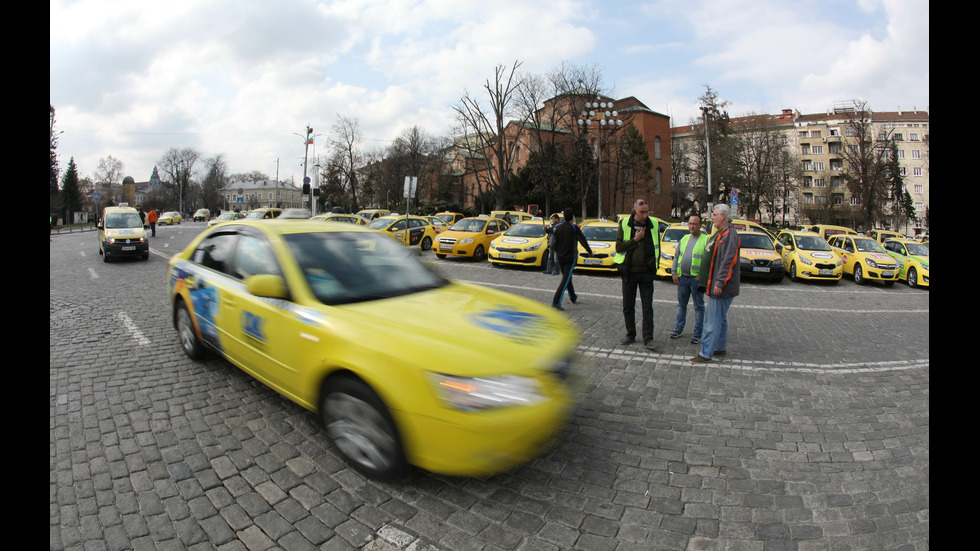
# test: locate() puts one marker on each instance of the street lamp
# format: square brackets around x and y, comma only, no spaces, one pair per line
[603,114]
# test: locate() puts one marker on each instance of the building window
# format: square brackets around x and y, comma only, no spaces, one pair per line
[656,147]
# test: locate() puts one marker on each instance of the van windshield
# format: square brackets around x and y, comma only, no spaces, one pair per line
[123,220]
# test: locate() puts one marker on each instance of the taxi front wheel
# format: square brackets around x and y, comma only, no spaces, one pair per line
[362,428]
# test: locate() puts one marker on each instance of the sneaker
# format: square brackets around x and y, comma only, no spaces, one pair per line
[650,346]
[695,340]
[574,300]
[627,340]
[699,359]
[557,307]
[674,334]
[720,352]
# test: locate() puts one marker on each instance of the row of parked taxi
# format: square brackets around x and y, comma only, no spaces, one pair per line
[817,252]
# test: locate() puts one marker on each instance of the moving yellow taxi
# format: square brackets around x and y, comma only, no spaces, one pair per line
[470,237]
[601,235]
[864,259]
[806,255]
[410,230]
[225,217]
[340,217]
[169,218]
[912,258]
[757,256]
[524,244]
[121,233]
[312,311]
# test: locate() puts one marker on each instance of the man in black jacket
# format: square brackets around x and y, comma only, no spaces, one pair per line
[567,235]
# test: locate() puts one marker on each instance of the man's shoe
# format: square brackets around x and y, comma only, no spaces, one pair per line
[695,340]
[720,352]
[627,340]
[574,300]
[557,306]
[674,334]
[650,346]
[699,359]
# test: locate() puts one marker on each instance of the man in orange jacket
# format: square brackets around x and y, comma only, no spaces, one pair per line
[721,284]
[152,219]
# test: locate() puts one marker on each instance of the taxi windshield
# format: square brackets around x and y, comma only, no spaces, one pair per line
[343,268]
[674,235]
[917,249]
[469,225]
[751,240]
[526,230]
[123,220]
[868,246]
[599,233]
[812,243]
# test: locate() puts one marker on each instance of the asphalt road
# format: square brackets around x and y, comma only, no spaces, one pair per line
[811,434]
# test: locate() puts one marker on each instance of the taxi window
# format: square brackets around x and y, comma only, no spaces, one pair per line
[216,251]
[254,257]
[123,220]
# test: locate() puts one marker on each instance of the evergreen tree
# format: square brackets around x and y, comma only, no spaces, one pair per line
[71,196]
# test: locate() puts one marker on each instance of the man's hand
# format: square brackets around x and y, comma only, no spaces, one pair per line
[640,234]
[676,279]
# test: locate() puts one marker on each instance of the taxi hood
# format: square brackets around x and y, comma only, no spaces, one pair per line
[468,327]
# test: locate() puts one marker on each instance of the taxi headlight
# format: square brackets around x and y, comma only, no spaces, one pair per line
[806,261]
[110,240]
[477,393]
[871,263]
[534,247]
[465,240]
[667,256]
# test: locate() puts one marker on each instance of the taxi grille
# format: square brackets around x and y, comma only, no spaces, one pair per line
[447,240]
[825,266]
[596,255]
[510,250]
[761,262]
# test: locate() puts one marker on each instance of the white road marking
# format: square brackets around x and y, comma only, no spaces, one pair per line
[133,330]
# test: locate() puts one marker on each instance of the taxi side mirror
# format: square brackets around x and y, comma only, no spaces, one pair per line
[266,285]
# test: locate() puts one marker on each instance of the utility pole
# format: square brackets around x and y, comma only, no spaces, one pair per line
[306,185]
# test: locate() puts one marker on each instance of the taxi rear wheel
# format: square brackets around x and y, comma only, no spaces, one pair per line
[362,428]
[189,342]
[426,243]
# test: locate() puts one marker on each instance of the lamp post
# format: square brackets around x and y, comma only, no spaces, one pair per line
[603,114]
[707,147]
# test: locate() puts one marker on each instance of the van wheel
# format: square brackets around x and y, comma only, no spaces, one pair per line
[358,422]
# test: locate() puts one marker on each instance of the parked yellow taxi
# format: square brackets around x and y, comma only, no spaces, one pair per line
[757,256]
[912,258]
[882,235]
[450,218]
[314,311]
[511,216]
[827,231]
[524,244]
[668,247]
[410,230]
[470,237]
[864,259]
[601,235]
[806,255]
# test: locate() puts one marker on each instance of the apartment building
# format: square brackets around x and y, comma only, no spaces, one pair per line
[243,196]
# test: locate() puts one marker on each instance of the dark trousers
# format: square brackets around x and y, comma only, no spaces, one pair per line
[644,282]
[566,265]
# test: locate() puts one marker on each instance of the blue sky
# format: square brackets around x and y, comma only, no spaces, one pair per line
[243,78]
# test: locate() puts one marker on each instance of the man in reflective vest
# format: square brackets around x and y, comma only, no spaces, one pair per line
[685,272]
[637,256]
[720,278]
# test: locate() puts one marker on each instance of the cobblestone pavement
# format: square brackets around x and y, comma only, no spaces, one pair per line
[811,434]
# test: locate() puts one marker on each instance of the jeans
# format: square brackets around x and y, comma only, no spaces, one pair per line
[715,325]
[687,287]
[552,265]
[643,281]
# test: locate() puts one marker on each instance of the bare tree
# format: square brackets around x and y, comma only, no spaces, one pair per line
[214,181]
[482,128]
[346,156]
[759,149]
[109,173]
[178,164]
[866,161]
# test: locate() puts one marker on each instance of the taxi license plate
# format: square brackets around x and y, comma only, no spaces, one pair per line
[760,269]
[445,246]
[129,248]
[826,272]
[592,261]
[507,256]
[887,274]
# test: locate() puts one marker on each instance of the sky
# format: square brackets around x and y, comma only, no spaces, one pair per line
[245,78]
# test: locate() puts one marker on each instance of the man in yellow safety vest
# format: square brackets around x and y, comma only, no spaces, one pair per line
[685,272]
[637,254]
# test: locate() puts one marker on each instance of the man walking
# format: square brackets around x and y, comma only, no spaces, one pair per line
[685,272]
[552,265]
[637,254]
[721,283]
[566,236]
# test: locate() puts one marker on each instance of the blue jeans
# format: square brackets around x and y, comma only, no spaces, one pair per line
[715,325]
[687,288]
[552,261]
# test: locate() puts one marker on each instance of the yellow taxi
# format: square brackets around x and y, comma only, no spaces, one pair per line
[312,311]
[601,235]
[668,247]
[371,214]
[169,218]
[438,224]
[740,225]
[806,255]
[757,256]
[225,217]
[202,215]
[410,230]
[882,235]
[511,216]
[524,244]
[450,218]
[263,213]
[121,233]
[912,258]
[827,231]
[864,259]
[340,217]
[470,237]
